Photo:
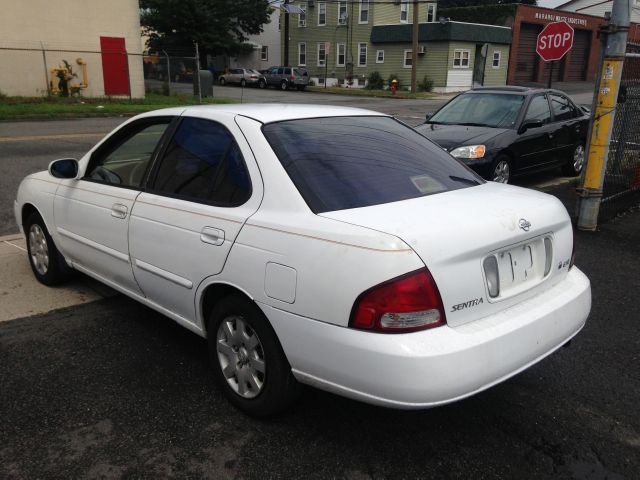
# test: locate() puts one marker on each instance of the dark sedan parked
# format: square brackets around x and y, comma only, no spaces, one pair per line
[502,132]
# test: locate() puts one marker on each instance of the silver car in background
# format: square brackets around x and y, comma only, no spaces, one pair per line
[243,77]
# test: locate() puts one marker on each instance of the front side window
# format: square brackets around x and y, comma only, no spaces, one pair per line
[322,54]
[124,160]
[480,109]
[322,14]
[461,59]
[340,55]
[203,163]
[404,11]
[342,13]
[302,16]
[364,11]
[408,59]
[350,162]
[362,56]
[264,54]
[380,56]
[562,108]
[496,59]
[538,110]
[302,54]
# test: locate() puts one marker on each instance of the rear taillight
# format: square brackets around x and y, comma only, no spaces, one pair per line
[404,304]
[254,76]
[573,250]
[292,78]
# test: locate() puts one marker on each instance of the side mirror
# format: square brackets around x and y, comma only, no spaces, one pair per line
[427,117]
[64,168]
[530,124]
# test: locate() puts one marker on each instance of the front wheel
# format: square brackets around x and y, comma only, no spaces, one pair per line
[262,84]
[284,85]
[47,263]
[574,166]
[501,172]
[247,359]
[221,81]
[243,83]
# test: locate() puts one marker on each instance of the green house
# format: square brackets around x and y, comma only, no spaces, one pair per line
[342,42]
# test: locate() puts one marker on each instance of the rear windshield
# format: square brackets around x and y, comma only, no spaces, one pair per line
[349,162]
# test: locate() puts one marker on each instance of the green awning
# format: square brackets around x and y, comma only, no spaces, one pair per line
[438,32]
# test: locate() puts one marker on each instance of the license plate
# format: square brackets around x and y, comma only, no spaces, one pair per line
[518,265]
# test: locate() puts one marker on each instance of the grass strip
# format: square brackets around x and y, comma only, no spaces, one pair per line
[363,92]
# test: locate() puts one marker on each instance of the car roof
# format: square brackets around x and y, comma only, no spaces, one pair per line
[513,89]
[273,112]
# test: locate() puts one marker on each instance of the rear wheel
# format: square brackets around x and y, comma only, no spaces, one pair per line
[574,166]
[501,172]
[47,263]
[284,85]
[301,88]
[221,81]
[262,84]
[247,359]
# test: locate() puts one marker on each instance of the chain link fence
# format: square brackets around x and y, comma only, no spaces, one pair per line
[37,70]
[621,189]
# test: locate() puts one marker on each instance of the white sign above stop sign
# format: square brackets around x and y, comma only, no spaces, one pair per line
[554,41]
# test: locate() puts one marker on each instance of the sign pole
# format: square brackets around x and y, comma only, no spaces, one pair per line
[550,74]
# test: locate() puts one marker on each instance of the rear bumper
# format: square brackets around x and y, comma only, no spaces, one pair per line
[433,367]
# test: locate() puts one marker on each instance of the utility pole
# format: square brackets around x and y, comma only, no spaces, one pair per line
[286,34]
[603,115]
[414,47]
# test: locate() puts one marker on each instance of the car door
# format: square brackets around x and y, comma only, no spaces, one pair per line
[92,214]
[535,146]
[568,125]
[200,193]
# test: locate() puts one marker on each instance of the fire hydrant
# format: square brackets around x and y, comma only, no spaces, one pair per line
[394,87]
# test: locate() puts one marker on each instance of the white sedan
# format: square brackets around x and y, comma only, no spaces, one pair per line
[329,246]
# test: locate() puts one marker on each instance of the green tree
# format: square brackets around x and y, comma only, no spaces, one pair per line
[218,26]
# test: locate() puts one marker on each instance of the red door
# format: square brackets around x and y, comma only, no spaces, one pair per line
[115,67]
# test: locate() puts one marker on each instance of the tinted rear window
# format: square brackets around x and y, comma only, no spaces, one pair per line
[349,162]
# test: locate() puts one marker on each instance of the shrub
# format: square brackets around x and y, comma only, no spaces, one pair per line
[375,81]
[426,85]
[392,77]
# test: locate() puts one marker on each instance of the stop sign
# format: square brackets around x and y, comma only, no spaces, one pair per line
[554,41]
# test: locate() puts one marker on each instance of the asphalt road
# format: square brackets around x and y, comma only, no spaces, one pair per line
[112,389]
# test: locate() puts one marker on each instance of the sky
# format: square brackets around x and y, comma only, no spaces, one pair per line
[551,3]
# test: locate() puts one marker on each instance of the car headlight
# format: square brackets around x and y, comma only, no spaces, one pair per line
[470,151]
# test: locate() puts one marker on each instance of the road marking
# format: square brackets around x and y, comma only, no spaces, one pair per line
[60,136]
[14,245]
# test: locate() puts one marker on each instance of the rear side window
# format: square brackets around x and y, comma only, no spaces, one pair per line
[562,108]
[349,162]
[203,163]
[539,109]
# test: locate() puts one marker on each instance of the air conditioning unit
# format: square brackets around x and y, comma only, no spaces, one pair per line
[343,19]
[311,3]
[421,50]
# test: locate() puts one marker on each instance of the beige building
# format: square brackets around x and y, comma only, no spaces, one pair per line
[38,35]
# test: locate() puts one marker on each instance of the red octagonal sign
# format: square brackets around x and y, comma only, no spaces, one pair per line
[554,41]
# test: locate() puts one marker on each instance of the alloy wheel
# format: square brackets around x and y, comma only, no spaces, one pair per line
[578,158]
[501,172]
[38,249]
[241,357]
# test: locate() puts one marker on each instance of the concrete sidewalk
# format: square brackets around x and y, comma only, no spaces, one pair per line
[22,296]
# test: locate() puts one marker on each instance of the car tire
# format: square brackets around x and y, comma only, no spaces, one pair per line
[221,81]
[47,263]
[248,362]
[284,85]
[501,170]
[243,83]
[576,163]
[301,88]
[262,84]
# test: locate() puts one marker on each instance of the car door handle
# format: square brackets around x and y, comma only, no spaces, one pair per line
[119,210]
[211,235]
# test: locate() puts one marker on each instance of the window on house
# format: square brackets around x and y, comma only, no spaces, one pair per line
[322,54]
[340,55]
[302,54]
[408,59]
[404,11]
[364,11]
[362,54]
[264,54]
[431,12]
[461,59]
[322,14]
[302,16]
[380,56]
[496,59]
[342,13]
